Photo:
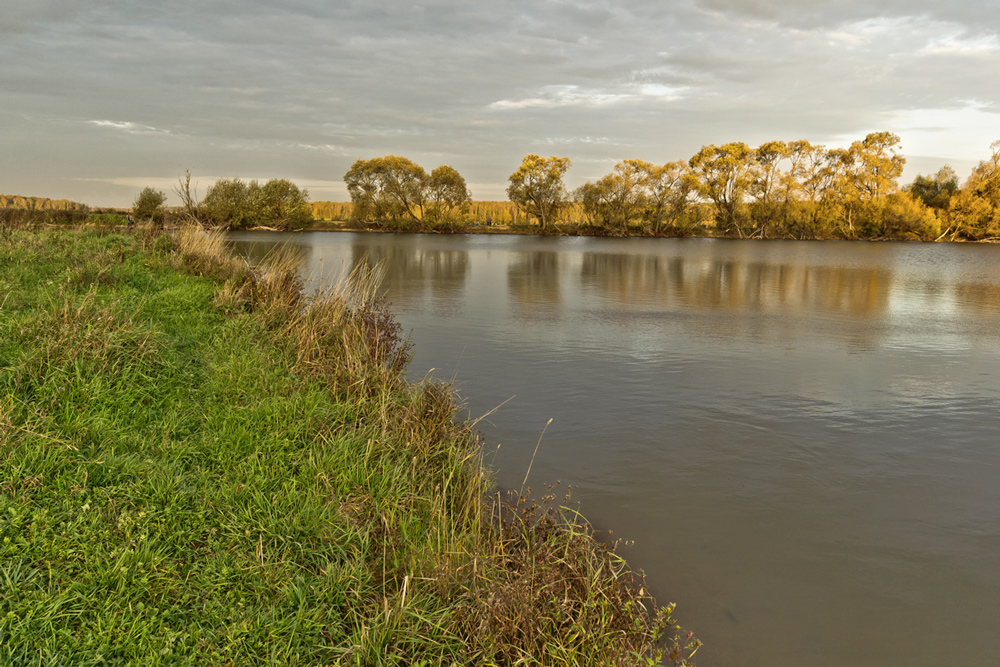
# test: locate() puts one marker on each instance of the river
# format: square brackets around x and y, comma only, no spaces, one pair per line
[801,438]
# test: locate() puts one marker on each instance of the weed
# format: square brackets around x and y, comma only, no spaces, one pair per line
[551,592]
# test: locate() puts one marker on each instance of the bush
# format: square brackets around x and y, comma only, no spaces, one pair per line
[234,204]
[148,205]
[906,218]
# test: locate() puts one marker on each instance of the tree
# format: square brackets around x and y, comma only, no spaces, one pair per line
[767,184]
[234,204]
[767,176]
[446,191]
[906,218]
[857,180]
[838,187]
[406,182]
[724,174]
[228,203]
[284,205]
[591,196]
[876,165]
[985,178]
[365,187]
[393,188]
[188,197]
[148,205]
[668,189]
[537,187]
[935,191]
[617,199]
[975,211]
[973,217]
[387,188]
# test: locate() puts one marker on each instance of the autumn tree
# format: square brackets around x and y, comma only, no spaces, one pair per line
[393,188]
[405,183]
[537,187]
[148,205]
[767,185]
[668,191]
[767,179]
[803,188]
[901,217]
[637,191]
[871,169]
[618,199]
[974,212]
[626,186]
[590,195]
[804,179]
[724,175]
[446,193]
[385,188]
[875,165]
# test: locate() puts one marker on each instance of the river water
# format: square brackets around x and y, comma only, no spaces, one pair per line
[801,438]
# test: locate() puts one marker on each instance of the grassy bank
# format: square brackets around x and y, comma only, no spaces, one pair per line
[199,467]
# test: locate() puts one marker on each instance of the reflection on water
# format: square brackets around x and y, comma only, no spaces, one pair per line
[300,254]
[975,297]
[413,270]
[738,285]
[533,280]
[800,437]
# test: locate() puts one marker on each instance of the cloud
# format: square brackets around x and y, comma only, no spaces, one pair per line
[323,148]
[551,97]
[961,45]
[302,88]
[138,182]
[128,127]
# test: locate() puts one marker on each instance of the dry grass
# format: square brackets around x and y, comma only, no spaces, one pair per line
[205,253]
[549,591]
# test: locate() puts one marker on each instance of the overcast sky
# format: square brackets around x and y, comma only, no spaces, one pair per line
[98,98]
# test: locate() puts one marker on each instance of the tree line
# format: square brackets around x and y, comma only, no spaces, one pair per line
[229,203]
[40,204]
[776,190]
[21,211]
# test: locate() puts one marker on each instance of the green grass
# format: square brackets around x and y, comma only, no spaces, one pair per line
[209,470]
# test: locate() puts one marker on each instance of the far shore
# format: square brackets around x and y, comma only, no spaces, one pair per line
[571,229]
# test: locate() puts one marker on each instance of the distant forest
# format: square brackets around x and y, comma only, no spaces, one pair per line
[40,204]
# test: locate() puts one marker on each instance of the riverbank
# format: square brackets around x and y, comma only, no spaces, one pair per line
[583,229]
[112,220]
[201,468]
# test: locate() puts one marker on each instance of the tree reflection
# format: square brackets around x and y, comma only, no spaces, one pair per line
[979,297]
[737,285]
[257,251]
[533,281]
[411,270]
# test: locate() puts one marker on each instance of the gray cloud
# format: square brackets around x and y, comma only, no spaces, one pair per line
[110,91]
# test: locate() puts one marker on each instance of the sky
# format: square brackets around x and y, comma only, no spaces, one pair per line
[99,99]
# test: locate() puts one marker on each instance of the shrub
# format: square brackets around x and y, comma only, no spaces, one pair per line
[148,205]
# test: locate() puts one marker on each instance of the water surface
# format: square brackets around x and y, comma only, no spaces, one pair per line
[802,438]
